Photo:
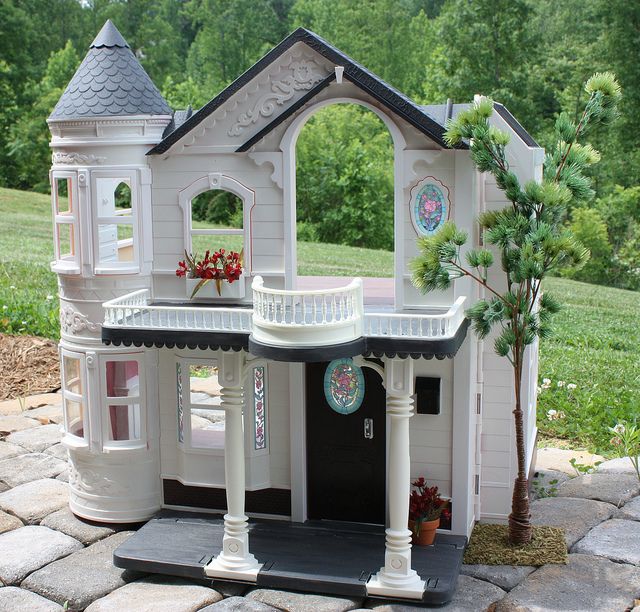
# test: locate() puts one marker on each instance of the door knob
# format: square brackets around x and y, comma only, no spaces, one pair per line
[368,429]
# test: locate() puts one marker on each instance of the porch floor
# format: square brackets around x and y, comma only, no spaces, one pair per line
[317,556]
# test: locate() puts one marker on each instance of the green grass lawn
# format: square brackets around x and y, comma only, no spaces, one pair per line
[596,345]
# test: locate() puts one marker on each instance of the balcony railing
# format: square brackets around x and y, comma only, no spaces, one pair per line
[134,311]
[307,318]
[415,326]
[288,318]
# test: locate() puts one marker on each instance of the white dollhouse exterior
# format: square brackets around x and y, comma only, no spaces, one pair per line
[221,406]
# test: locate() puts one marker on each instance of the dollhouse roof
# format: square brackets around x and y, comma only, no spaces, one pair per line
[110,82]
[384,93]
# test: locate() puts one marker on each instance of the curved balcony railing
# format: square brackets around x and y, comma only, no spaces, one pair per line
[416,326]
[307,318]
[134,311]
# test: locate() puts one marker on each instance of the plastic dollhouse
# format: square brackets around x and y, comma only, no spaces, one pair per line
[311,400]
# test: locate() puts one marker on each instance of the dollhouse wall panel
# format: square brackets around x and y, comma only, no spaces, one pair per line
[278,424]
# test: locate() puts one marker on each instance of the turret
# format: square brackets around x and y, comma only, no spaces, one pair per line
[107,119]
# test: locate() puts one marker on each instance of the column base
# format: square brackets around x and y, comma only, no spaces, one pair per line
[393,585]
[234,569]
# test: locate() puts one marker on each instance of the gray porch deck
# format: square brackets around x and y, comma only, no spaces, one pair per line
[323,557]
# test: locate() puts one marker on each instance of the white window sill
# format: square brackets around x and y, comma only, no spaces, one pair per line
[74,442]
[116,270]
[65,267]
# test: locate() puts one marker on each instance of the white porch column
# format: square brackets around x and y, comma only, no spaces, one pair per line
[235,560]
[396,577]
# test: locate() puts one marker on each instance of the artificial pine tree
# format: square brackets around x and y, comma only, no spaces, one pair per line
[530,239]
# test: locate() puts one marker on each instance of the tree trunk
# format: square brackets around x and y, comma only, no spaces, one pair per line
[520,518]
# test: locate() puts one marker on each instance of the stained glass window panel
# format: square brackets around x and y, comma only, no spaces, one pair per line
[430,209]
[344,386]
[180,411]
[259,408]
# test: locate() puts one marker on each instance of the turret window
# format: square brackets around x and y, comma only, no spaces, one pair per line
[64,198]
[122,392]
[115,224]
[73,387]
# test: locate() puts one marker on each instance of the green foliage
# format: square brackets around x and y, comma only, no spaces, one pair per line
[626,440]
[345,178]
[596,347]
[589,228]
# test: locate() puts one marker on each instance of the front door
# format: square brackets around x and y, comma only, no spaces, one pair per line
[346,466]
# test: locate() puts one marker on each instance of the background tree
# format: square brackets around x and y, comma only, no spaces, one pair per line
[530,239]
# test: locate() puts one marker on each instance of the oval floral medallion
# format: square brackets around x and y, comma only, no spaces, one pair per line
[431,207]
[344,386]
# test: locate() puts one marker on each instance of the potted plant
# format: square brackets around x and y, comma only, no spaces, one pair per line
[222,267]
[426,506]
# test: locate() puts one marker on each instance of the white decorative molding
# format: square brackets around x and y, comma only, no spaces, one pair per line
[74,322]
[305,74]
[90,481]
[71,157]
[275,159]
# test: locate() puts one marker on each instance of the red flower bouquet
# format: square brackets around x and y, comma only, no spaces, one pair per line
[218,267]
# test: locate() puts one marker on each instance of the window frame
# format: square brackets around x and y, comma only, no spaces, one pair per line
[219,182]
[70,438]
[133,220]
[186,443]
[66,265]
[106,401]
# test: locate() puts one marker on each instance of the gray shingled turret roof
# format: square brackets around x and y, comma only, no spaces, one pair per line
[110,82]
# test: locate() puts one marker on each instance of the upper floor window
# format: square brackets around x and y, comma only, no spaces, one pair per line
[64,197]
[216,222]
[115,228]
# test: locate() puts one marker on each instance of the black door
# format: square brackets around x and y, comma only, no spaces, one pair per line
[345,453]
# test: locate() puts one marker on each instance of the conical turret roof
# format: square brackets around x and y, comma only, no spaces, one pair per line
[110,82]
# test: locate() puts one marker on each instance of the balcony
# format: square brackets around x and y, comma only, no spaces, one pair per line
[302,325]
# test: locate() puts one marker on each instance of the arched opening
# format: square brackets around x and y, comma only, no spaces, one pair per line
[216,222]
[344,195]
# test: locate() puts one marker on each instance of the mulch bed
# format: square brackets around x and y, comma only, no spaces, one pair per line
[28,365]
[489,545]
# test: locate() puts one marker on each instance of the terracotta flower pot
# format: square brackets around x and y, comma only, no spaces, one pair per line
[426,534]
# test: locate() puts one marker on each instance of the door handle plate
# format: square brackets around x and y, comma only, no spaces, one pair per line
[368,429]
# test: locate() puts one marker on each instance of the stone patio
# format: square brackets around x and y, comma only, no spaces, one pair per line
[49,558]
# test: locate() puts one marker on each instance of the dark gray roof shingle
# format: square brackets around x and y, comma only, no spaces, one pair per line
[110,82]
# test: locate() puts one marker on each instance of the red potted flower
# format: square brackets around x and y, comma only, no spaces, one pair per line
[426,506]
[222,267]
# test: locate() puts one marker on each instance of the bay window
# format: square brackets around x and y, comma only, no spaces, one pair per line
[64,199]
[73,388]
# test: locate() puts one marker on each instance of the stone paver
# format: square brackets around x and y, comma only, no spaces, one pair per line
[229,589]
[8,450]
[617,489]
[29,548]
[617,539]
[576,516]
[13,599]
[631,510]
[471,596]
[209,385]
[12,423]
[32,466]
[239,604]
[9,522]
[82,577]
[558,459]
[37,439]
[4,487]
[299,602]
[157,594]
[50,413]
[504,576]
[586,583]
[59,451]
[64,475]
[32,501]
[65,521]
[546,483]
[17,405]
[621,465]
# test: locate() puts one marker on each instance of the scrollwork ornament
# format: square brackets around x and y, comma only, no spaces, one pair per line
[73,158]
[74,322]
[304,75]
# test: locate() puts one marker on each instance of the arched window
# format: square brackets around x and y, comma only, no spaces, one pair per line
[216,222]
[115,223]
